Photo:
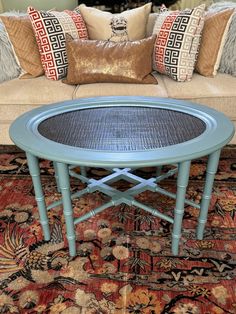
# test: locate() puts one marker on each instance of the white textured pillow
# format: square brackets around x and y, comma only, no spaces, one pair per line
[128,25]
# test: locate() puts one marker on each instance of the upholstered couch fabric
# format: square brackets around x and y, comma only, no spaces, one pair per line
[218,93]
[109,89]
[34,91]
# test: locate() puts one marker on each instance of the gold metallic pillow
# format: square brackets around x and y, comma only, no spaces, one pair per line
[93,61]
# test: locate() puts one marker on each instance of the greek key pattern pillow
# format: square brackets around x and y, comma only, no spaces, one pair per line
[178,37]
[50,29]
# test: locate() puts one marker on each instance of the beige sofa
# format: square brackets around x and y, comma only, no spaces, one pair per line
[20,95]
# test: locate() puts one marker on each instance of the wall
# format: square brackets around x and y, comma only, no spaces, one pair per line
[182,4]
[6,5]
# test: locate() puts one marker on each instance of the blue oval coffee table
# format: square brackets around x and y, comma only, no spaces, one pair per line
[122,133]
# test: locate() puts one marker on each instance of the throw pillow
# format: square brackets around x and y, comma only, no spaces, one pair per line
[128,25]
[9,67]
[50,28]
[213,38]
[178,37]
[228,57]
[22,37]
[93,61]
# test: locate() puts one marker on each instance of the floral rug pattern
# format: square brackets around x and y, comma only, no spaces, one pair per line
[124,262]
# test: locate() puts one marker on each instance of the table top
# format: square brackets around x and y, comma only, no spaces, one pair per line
[122,131]
[121,128]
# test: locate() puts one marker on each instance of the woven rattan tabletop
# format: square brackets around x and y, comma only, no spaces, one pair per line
[122,128]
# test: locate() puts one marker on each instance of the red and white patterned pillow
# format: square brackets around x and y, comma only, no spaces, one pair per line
[178,38]
[50,29]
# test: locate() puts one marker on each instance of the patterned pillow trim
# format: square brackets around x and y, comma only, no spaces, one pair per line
[50,29]
[79,23]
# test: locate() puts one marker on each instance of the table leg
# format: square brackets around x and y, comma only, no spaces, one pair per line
[182,183]
[34,169]
[56,176]
[158,171]
[83,171]
[64,183]
[212,166]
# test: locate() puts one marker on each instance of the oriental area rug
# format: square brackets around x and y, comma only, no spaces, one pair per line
[124,263]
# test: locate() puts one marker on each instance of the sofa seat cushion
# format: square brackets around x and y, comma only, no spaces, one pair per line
[218,92]
[120,89]
[36,91]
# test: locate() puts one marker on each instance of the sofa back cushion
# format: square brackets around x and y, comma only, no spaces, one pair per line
[150,23]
